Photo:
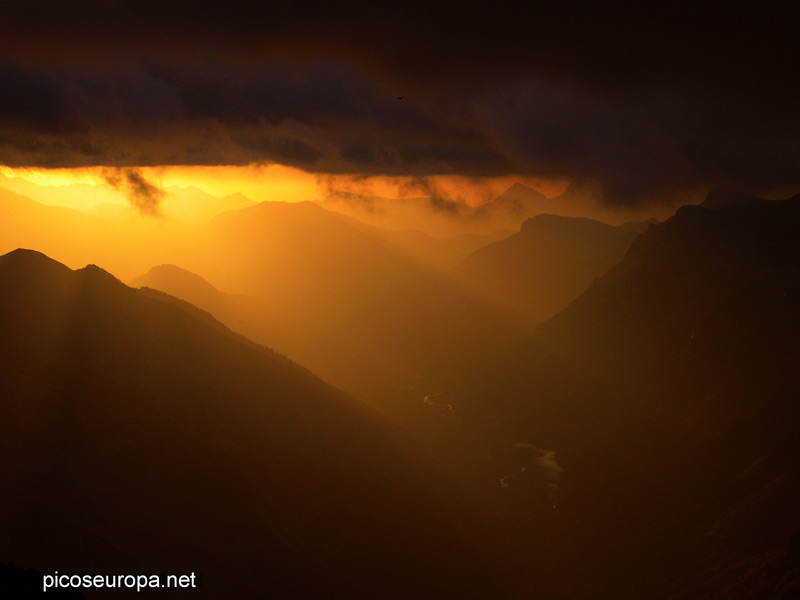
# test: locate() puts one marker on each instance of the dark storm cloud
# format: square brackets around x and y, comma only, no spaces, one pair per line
[141,194]
[609,42]
[285,151]
[33,103]
[646,99]
[437,199]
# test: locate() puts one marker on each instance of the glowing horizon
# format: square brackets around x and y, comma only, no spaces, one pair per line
[276,183]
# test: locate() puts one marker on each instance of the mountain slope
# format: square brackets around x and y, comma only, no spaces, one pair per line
[185,285]
[538,271]
[520,203]
[194,204]
[668,394]
[137,437]
[345,303]
[516,204]
[119,239]
[707,285]
[243,314]
[440,253]
[696,332]
[25,221]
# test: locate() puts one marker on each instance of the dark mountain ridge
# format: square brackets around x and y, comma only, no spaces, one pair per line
[535,273]
[668,392]
[695,332]
[348,305]
[139,438]
[679,283]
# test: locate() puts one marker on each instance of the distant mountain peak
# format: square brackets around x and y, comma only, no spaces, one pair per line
[536,272]
[23,258]
[273,206]
[238,197]
[98,273]
[31,264]
[208,425]
[518,187]
[550,221]
[518,201]
[26,254]
[160,275]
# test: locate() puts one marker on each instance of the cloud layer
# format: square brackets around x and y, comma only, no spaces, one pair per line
[645,102]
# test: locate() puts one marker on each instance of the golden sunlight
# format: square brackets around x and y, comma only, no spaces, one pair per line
[89,187]
[92,188]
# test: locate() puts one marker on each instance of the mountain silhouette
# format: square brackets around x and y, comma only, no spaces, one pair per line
[691,467]
[185,285]
[27,222]
[668,393]
[343,301]
[194,204]
[518,201]
[447,216]
[138,437]
[241,313]
[641,443]
[346,300]
[538,271]
[440,253]
[116,236]
[705,284]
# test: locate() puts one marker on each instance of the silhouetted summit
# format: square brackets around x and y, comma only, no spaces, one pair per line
[190,287]
[24,263]
[138,438]
[538,271]
[695,333]
[686,273]
[668,391]
[339,299]
[516,203]
[162,274]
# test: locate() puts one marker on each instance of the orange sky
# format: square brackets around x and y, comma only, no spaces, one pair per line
[257,182]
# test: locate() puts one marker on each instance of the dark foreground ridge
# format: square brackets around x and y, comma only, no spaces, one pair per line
[694,335]
[139,438]
[669,395]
